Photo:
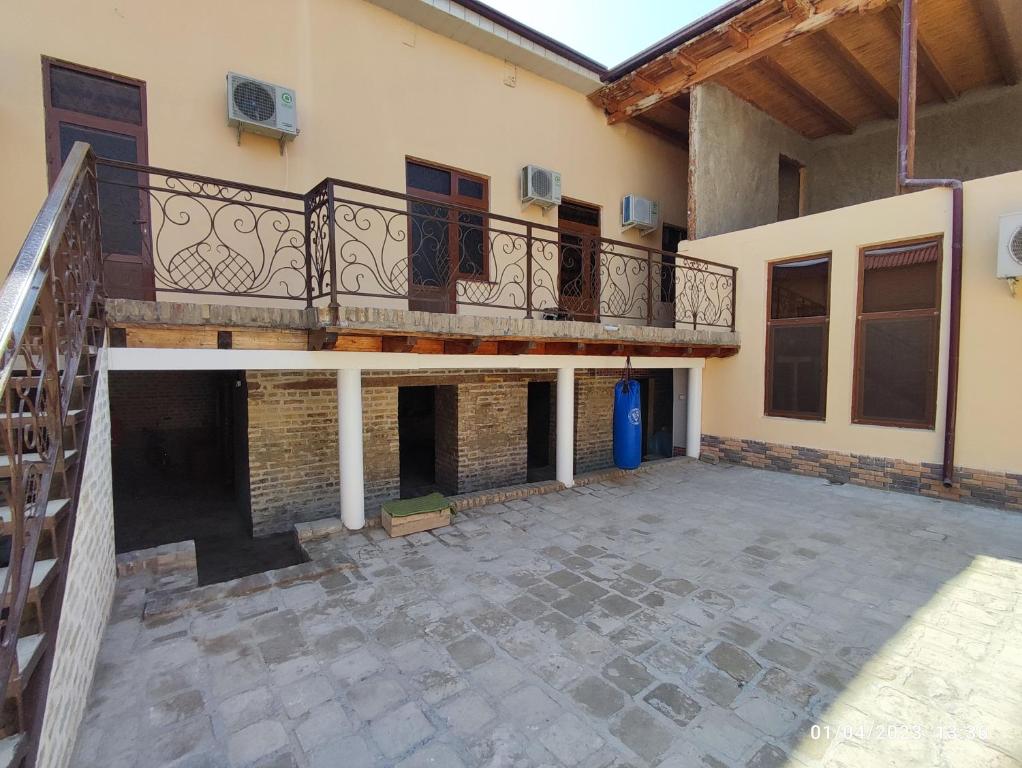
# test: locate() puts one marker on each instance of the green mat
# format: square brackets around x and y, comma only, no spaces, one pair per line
[434,502]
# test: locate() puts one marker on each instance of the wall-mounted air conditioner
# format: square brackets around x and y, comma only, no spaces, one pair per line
[540,186]
[259,107]
[639,213]
[1009,246]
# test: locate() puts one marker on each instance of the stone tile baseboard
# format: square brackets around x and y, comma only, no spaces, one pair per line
[976,486]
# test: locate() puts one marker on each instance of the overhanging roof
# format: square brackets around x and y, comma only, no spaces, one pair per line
[819,66]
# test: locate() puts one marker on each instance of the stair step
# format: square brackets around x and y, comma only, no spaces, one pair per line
[29,649]
[5,460]
[10,749]
[54,509]
[42,572]
[73,415]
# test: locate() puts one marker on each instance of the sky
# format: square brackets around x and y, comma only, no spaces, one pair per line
[609,31]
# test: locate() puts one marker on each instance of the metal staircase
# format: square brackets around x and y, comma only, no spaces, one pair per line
[51,329]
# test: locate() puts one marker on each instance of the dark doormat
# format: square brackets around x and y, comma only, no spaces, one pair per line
[222,558]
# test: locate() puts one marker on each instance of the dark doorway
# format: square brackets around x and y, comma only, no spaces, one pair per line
[657,397]
[790,188]
[416,429]
[180,471]
[109,112]
[540,437]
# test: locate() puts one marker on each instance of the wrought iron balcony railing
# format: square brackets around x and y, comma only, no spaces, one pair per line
[347,243]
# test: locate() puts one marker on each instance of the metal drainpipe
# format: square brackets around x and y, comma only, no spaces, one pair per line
[906,169]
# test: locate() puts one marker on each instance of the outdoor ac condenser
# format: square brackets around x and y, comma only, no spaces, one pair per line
[540,186]
[1009,246]
[639,213]
[259,107]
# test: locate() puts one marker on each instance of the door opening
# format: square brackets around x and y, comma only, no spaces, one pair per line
[416,428]
[540,449]
[579,260]
[656,393]
[179,444]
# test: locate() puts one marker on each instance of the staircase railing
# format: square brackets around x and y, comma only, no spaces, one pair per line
[50,326]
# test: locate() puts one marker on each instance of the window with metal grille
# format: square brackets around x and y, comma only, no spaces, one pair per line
[445,241]
[897,335]
[798,322]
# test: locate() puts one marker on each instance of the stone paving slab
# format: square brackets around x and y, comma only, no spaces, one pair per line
[688,616]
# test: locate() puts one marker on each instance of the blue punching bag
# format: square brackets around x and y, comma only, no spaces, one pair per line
[627,424]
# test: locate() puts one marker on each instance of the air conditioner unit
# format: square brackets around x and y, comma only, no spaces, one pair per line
[540,186]
[1009,246]
[639,213]
[259,107]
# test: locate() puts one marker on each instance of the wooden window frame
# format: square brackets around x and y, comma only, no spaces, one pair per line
[459,202]
[815,320]
[861,319]
[53,116]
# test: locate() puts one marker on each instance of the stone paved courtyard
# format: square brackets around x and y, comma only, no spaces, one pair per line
[689,616]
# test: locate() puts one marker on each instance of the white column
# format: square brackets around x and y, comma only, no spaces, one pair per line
[349,433]
[694,432]
[566,426]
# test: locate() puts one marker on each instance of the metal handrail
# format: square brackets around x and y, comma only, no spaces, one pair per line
[21,288]
[47,307]
[204,235]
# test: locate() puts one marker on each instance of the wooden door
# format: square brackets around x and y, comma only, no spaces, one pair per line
[447,239]
[578,273]
[109,112]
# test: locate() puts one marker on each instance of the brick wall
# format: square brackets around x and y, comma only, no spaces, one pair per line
[594,412]
[294,471]
[88,595]
[380,447]
[163,399]
[481,438]
[446,413]
[492,435]
[972,485]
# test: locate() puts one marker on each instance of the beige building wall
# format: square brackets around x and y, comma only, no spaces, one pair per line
[372,87]
[89,592]
[989,417]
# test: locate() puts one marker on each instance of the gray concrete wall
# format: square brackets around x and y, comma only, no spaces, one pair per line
[978,135]
[735,149]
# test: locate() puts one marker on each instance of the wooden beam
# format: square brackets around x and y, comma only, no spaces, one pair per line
[771,70]
[682,78]
[320,339]
[668,134]
[1000,43]
[462,346]
[856,71]
[736,38]
[563,348]
[928,63]
[642,85]
[682,62]
[516,347]
[800,10]
[398,343]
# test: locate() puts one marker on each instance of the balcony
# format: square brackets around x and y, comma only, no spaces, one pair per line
[345,251]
